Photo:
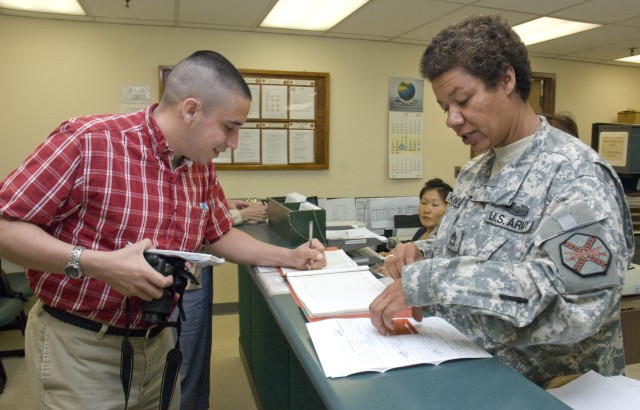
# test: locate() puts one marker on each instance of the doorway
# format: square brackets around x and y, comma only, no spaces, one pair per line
[543,93]
[542,97]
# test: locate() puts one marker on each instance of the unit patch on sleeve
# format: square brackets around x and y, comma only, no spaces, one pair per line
[586,255]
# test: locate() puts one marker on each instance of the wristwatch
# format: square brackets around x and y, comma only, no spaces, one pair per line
[73,269]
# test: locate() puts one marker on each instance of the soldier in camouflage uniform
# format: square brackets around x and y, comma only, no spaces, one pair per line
[532,252]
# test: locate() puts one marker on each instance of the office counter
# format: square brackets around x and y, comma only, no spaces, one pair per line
[285,373]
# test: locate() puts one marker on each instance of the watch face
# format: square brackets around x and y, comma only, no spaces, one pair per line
[73,271]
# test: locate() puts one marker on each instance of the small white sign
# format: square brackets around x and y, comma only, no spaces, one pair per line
[136,94]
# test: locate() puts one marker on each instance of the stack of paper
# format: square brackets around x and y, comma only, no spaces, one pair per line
[356,233]
[341,288]
[348,346]
[272,280]
[592,391]
[336,294]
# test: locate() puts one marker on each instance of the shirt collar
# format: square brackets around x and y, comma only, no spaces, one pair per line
[158,140]
[502,188]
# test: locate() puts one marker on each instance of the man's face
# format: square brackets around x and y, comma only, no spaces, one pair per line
[479,116]
[212,133]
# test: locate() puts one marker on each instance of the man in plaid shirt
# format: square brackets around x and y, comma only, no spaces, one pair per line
[99,191]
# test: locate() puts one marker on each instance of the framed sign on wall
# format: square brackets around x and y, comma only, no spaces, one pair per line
[288,123]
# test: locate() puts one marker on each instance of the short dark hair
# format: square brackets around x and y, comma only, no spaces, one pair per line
[483,46]
[206,75]
[436,183]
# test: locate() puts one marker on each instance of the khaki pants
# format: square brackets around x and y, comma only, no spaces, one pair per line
[72,368]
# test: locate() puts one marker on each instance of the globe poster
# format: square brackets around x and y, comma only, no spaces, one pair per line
[406,94]
[405,128]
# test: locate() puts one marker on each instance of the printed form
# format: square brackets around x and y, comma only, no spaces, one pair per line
[348,346]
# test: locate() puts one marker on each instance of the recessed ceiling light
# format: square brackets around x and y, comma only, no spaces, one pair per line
[630,59]
[316,15]
[45,6]
[548,28]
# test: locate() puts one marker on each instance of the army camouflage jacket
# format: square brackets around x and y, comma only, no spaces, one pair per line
[530,263]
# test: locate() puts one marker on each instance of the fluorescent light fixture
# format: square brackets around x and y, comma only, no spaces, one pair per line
[316,15]
[45,6]
[630,59]
[548,28]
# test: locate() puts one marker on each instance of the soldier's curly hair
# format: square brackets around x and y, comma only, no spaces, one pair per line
[483,46]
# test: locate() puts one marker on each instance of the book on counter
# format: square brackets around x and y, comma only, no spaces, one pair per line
[342,288]
[349,346]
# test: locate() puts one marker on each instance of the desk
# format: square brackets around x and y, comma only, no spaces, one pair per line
[285,373]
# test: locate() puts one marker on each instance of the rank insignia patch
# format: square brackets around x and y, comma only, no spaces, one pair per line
[585,255]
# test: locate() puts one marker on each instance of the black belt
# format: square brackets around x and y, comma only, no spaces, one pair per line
[94,326]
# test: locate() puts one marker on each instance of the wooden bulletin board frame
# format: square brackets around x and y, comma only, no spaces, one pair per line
[319,124]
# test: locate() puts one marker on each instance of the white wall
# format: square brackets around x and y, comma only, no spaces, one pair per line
[51,70]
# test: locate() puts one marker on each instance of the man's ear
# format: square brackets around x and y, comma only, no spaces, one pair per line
[191,107]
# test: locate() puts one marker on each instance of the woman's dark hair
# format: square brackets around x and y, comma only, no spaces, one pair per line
[483,46]
[436,183]
[563,122]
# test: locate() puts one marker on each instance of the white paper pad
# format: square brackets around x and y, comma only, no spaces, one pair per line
[348,346]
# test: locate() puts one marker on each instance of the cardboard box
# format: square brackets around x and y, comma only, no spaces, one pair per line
[292,224]
[629,117]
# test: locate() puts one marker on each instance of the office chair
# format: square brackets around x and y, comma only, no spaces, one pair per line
[405,226]
[17,282]
[12,317]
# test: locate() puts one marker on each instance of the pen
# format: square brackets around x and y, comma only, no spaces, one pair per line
[310,239]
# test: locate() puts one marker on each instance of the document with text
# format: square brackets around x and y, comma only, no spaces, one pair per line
[349,346]
[336,294]
[337,261]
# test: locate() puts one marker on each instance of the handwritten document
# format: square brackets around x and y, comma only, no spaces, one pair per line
[338,294]
[348,346]
[337,261]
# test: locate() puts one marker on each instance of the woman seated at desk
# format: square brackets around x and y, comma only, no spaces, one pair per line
[433,203]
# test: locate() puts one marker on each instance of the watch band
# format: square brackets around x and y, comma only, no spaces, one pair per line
[73,268]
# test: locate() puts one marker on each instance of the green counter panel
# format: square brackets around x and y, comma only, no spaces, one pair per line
[285,372]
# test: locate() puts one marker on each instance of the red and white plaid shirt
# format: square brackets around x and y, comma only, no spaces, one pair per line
[104,182]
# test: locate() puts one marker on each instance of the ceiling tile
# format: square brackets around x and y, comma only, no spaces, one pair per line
[534,7]
[389,18]
[428,31]
[586,40]
[601,11]
[163,10]
[247,13]
[397,21]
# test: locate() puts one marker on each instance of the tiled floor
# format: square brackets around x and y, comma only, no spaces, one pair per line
[230,388]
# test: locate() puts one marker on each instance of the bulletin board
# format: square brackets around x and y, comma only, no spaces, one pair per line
[288,124]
